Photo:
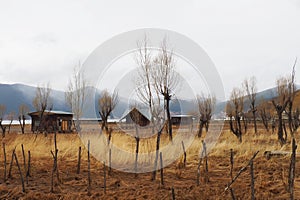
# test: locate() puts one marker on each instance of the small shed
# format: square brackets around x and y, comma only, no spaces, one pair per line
[181,119]
[141,117]
[52,121]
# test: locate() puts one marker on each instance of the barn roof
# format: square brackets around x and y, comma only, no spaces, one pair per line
[182,116]
[58,112]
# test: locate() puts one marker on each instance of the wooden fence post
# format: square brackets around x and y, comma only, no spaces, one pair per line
[52,172]
[137,139]
[28,167]
[206,163]
[292,169]
[173,193]
[198,176]
[184,154]
[79,160]
[56,157]
[232,194]
[161,169]
[89,170]
[104,177]
[231,163]
[109,162]
[55,165]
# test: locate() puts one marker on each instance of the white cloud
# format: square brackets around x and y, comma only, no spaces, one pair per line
[42,41]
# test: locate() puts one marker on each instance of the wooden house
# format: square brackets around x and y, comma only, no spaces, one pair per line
[52,121]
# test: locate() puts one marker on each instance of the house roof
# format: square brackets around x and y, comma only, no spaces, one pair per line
[58,112]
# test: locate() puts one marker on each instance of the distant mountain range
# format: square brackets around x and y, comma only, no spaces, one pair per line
[12,96]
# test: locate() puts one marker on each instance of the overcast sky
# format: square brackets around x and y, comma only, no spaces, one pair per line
[41,41]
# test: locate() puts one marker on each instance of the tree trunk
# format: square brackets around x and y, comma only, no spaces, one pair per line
[137,139]
[156,156]
[280,128]
[200,128]
[169,119]
[254,121]
[239,131]
[206,125]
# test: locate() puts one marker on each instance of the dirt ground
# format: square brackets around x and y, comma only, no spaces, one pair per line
[271,176]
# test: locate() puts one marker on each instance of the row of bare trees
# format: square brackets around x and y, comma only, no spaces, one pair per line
[23,109]
[282,103]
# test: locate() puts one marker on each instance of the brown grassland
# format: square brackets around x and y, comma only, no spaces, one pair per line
[271,176]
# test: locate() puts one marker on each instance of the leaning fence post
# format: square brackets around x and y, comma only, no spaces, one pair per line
[21,176]
[11,163]
[241,170]
[252,181]
[23,154]
[4,161]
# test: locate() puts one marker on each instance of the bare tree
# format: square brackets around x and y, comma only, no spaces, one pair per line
[76,94]
[41,102]
[206,105]
[291,96]
[23,109]
[280,104]
[2,112]
[235,112]
[145,81]
[107,103]
[10,117]
[251,90]
[296,123]
[148,93]
[264,113]
[166,79]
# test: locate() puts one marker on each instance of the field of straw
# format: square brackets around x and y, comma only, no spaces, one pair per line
[271,175]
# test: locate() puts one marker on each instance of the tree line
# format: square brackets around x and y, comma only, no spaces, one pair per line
[280,110]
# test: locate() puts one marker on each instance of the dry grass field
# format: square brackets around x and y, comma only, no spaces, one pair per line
[271,176]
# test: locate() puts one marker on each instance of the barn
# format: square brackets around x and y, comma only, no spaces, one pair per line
[53,121]
[142,117]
